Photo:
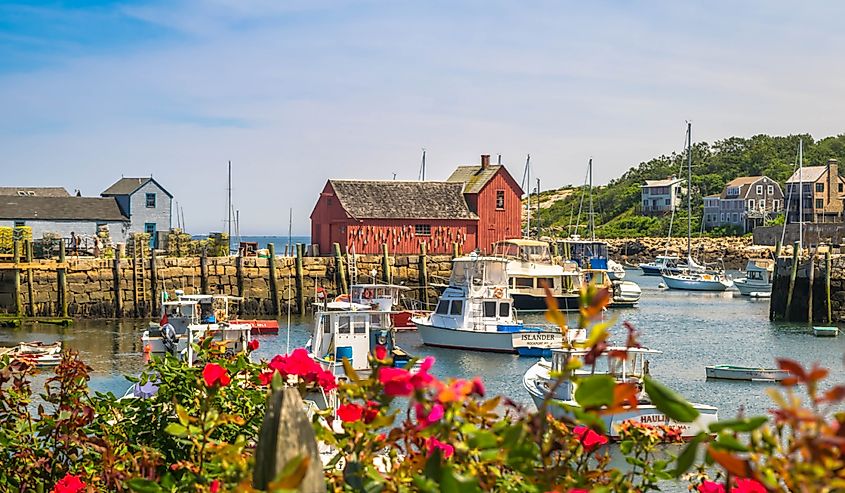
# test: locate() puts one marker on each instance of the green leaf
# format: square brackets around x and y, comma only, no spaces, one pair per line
[483,440]
[350,372]
[143,485]
[727,441]
[176,429]
[625,446]
[183,415]
[739,424]
[669,403]
[595,391]
[687,457]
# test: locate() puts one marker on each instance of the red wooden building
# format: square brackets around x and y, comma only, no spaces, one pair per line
[475,207]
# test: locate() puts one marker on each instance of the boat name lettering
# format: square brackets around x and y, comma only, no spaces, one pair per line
[653,418]
[538,337]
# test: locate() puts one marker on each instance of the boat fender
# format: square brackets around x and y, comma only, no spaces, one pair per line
[382,338]
[368,294]
[321,293]
[498,292]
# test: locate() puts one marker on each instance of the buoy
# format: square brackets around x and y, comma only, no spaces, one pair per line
[661,286]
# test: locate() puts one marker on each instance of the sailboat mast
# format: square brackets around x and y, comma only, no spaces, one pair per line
[689,191]
[422,166]
[527,180]
[229,206]
[800,195]
[590,191]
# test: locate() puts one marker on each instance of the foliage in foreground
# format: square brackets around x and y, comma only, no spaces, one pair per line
[402,430]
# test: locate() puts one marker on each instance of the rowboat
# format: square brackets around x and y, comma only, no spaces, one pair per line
[36,353]
[826,331]
[730,372]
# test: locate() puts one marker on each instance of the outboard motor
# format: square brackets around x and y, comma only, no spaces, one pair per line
[169,338]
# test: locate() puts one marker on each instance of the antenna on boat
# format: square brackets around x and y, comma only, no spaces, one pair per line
[689,191]
[791,194]
[287,342]
[537,219]
[800,196]
[592,214]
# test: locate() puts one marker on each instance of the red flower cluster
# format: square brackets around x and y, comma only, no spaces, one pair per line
[69,484]
[399,382]
[252,345]
[743,485]
[589,438]
[298,363]
[353,412]
[214,374]
[381,353]
[426,417]
[214,487]
[432,444]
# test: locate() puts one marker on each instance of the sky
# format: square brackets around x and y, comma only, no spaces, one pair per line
[297,92]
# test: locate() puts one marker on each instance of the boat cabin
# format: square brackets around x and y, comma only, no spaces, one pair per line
[760,270]
[524,249]
[353,335]
[180,314]
[630,369]
[587,254]
[382,297]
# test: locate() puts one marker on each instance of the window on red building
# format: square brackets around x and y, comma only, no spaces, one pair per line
[422,229]
[500,199]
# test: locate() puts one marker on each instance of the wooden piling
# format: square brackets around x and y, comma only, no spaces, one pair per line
[274,286]
[811,287]
[118,293]
[29,288]
[239,273]
[153,283]
[300,294]
[827,266]
[61,277]
[792,276]
[423,268]
[16,274]
[204,273]
[454,249]
[385,264]
[340,269]
[778,247]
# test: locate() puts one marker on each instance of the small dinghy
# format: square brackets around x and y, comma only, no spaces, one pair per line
[37,353]
[730,372]
[826,331]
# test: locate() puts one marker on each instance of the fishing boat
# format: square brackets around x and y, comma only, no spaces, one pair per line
[695,277]
[476,313]
[758,278]
[670,264]
[591,257]
[540,385]
[387,298]
[530,270]
[826,331]
[36,353]
[730,372]
[615,270]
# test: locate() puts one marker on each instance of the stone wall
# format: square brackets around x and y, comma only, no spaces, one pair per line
[814,234]
[91,282]
[734,250]
[799,308]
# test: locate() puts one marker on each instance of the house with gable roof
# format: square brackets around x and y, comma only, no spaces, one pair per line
[744,203]
[145,202]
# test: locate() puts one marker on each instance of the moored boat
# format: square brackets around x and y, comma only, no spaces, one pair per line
[731,372]
[539,384]
[530,270]
[663,263]
[826,331]
[36,353]
[698,281]
[758,278]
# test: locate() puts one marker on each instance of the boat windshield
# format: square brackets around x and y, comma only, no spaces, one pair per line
[487,272]
[531,253]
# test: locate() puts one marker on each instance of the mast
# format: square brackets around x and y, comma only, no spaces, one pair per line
[229,207]
[290,234]
[538,207]
[526,180]
[422,167]
[590,191]
[800,195]
[689,191]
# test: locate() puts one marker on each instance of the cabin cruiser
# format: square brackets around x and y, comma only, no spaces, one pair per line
[530,269]
[697,278]
[758,278]
[671,264]
[476,312]
[540,385]
[596,266]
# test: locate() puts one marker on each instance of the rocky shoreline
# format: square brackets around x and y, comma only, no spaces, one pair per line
[733,251]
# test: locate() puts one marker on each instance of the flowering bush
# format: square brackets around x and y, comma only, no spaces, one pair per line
[402,429]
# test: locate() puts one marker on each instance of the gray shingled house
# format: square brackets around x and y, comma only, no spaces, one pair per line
[145,202]
[63,215]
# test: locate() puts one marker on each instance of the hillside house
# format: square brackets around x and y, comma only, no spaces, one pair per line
[64,215]
[745,203]
[145,202]
[661,196]
[475,207]
[822,194]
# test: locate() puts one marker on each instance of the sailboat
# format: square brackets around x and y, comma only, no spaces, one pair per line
[695,277]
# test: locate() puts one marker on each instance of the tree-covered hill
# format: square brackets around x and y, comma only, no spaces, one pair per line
[616,204]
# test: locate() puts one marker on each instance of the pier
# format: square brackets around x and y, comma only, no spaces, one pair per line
[809,287]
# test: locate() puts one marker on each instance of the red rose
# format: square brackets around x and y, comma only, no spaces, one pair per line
[252,345]
[711,487]
[214,374]
[326,380]
[745,485]
[577,490]
[215,486]
[396,381]
[350,412]
[381,352]
[265,377]
[426,418]
[69,484]
[589,438]
[371,412]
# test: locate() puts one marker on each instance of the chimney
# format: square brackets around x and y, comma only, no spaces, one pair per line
[485,161]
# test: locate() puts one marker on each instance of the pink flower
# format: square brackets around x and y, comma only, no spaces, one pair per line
[589,438]
[69,484]
[326,380]
[381,352]
[265,377]
[577,490]
[427,418]
[350,412]
[427,363]
[478,387]
[711,487]
[214,487]
[396,381]
[214,374]
[745,485]
[252,345]
[432,444]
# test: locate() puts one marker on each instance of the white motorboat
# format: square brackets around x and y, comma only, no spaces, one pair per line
[476,313]
[730,372]
[698,281]
[615,270]
[36,353]
[530,268]
[539,383]
[663,263]
[758,278]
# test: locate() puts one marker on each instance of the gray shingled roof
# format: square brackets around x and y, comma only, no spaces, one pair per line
[34,191]
[60,208]
[807,174]
[474,177]
[126,186]
[398,199]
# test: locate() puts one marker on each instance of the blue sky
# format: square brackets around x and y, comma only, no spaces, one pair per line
[295,92]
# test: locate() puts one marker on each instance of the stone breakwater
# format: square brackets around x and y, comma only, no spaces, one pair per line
[734,251]
[96,289]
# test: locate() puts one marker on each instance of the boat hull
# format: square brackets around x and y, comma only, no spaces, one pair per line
[726,372]
[675,282]
[528,343]
[825,331]
[257,327]
[529,302]
[747,289]
[651,270]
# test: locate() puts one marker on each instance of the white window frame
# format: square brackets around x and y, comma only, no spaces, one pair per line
[771,189]
[751,204]
[759,189]
[722,218]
